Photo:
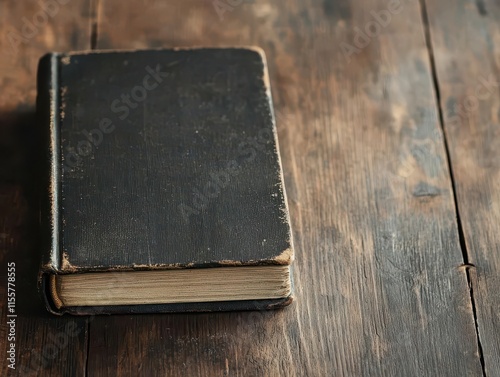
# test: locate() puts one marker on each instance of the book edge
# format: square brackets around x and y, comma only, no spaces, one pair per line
[193,307]
[66,56]
[288,255]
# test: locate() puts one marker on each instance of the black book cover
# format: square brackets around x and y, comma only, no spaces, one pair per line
[160,159]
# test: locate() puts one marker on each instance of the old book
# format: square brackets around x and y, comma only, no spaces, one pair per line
[164,190]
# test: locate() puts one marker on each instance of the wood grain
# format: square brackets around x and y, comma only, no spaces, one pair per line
[380,287]
[466,43]
[45,345]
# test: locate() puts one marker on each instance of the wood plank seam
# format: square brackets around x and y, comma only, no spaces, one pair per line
[95,9]
[463,247]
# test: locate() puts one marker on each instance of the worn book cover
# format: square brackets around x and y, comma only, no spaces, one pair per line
[163,180]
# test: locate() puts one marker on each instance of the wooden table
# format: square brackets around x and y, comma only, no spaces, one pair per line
[388,117]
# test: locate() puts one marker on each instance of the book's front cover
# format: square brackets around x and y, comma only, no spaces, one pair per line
[165,159]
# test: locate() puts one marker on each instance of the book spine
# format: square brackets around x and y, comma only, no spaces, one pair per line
[48,117]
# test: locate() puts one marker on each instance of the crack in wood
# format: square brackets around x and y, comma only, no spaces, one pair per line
[481,7]
[463,246]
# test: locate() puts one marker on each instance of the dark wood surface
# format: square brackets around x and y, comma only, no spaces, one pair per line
[392,218]
[468,70]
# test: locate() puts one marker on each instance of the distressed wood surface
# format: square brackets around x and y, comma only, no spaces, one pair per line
[466,43]
[45,345]
[380,287]
[380,280]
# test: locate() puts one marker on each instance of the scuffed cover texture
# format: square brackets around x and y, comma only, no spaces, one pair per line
[188,176]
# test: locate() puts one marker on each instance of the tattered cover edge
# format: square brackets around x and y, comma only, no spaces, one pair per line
[289,254]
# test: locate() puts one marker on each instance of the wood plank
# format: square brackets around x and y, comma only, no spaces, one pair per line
[45,345]
[466,41]
[379,285]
